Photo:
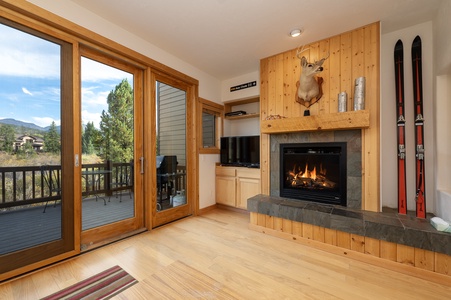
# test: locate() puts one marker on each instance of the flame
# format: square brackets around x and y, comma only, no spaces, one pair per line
[309,178]
[307,173]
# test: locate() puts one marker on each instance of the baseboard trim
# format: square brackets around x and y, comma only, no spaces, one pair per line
[206,209]
[231,208]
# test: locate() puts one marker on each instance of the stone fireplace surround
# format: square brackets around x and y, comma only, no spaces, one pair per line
[353,160]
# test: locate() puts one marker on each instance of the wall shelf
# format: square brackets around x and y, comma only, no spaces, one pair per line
[334,121]
[235,105]
[247,116]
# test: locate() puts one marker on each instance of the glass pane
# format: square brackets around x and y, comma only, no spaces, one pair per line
[30,140]
[107,144]
[208,130]
[171,146]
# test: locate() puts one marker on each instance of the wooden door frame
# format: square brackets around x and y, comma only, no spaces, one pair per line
[156,219]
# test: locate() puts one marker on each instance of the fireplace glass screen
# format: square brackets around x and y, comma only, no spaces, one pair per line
[314,172]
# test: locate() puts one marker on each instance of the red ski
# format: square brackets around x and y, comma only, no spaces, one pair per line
[399,76]
[419,133]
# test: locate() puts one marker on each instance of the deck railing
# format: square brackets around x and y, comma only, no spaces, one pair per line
[25,185]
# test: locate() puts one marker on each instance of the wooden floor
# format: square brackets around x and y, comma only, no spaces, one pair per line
[215,256]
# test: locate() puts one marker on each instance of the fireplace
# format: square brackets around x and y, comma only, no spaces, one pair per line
[314,172]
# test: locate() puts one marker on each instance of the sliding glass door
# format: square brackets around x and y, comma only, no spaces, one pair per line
[35,159]
[111,203]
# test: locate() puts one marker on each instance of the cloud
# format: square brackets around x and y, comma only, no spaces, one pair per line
[94,71]
[25,55]
[94,97]
[90,117]
[45,121]
[26,91]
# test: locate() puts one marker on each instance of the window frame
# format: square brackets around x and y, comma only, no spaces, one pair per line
[210,107]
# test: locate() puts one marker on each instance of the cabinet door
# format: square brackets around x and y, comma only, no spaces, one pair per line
[246,188]
[225,190]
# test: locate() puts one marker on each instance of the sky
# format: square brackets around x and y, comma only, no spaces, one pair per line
[30,80]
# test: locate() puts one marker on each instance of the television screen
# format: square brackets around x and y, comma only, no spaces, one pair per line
[240,151]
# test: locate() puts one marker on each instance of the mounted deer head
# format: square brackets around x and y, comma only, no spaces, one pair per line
[309,88]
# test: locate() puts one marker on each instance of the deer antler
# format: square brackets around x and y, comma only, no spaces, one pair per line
[298,52]
[328,54]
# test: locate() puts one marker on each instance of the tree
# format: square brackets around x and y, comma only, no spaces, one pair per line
[26,151]
[116,125]
[52,140]
[90,139]
[7,138]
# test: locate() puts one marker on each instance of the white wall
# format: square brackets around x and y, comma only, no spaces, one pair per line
[207,177]
[252,92]
[442,42]
[443,111]
[388,116]
[442,45]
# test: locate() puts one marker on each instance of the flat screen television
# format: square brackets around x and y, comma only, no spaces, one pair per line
[241,151]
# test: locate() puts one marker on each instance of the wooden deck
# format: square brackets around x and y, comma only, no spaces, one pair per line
[26,227]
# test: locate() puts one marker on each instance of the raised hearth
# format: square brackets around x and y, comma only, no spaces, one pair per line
[386,226]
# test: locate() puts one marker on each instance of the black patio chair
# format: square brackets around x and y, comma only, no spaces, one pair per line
[166,175]
[123,180]
[52,183]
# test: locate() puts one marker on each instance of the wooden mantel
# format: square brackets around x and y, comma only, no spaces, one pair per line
[350,55]
[337,121]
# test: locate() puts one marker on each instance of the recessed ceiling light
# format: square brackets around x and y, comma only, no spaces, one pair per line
[295,32]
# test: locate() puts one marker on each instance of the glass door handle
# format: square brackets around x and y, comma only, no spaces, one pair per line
[141,159]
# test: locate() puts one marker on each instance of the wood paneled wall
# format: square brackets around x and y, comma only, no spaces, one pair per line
[352,54]
[323,238]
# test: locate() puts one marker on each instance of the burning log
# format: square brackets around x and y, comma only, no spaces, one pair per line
[310,179]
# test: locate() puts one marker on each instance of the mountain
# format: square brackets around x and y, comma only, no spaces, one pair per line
[20,124]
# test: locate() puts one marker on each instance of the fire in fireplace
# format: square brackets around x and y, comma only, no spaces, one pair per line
[314,172]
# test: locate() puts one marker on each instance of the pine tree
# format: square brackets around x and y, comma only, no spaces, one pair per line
[52,140]
[90,139]
[116,125]
[7,138]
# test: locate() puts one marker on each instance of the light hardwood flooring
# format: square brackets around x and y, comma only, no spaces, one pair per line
[216,256]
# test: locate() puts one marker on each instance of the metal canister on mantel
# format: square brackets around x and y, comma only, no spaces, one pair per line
[359,93]
[342,101]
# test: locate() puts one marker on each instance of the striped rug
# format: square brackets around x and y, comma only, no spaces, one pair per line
[101,286]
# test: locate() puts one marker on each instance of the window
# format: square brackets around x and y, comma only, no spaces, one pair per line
[208,129]
[211,127]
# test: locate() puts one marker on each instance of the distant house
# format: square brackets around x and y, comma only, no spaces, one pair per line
[36,142]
